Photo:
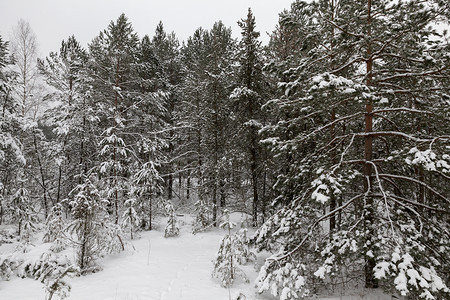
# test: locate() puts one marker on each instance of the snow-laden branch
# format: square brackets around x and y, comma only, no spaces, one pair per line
[359,36]
[412,210]
[385,197]
[411,74]
[311,227]
[409,91]
[442,137]
[401,109]
[180,156]
[411,59]
[394,133]
[416,181]
[343,154]
[331,124]
[350,63]
[398,198]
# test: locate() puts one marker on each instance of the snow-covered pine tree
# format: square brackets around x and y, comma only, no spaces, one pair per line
[366,171]
[130,111]
[88,212]
[147,187]
[11,154]
[116,90]
[247,100]
[51,269]
[284,53]
[146,183]
[202,216]
[233,250]
[130,218]
[242,245]
[216,139]
[166,48]
[191,117]
[172,228]
[23,213]
[9,263]
[203,117]
[69,119]
[55,226]
[58,285]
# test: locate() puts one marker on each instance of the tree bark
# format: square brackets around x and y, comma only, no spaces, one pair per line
[370,280]
[188,187]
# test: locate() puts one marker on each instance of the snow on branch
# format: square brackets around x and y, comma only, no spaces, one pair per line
[416,181]
[312,226]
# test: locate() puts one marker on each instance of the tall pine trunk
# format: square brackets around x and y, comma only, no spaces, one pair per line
[254,171]
[370,280]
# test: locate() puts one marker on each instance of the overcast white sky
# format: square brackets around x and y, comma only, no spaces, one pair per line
[55,20]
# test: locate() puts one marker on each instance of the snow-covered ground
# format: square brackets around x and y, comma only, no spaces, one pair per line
[154,268]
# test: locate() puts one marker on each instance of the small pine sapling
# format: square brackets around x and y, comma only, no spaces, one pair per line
[233,250]
[58,285]
[24,214]
[54,232]
[51,269]
[110,237]
[172,226]
[202,220]
[87,208]
[8,265]
[146,188]
[47,265]
[131,219]
[95,234]
[241,245]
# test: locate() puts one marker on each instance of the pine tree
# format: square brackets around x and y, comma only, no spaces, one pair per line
[130,217]
[202,216]
[150,148]
[65,71]
[166,49]
[172,226]
[58,285]
[204,117]
[51,269]
[23,213]
[88,211]
[216,141]
[126,105]
[55,226]
[147,187]
[233,250]
[114,54]
[247,96]
[11,154]
[191,117]
[370,198]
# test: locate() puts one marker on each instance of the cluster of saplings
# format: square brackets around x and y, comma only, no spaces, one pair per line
[334,137]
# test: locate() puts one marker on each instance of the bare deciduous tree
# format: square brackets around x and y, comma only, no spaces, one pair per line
[24,51]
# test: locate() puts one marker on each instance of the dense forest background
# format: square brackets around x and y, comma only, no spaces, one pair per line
[334,137]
